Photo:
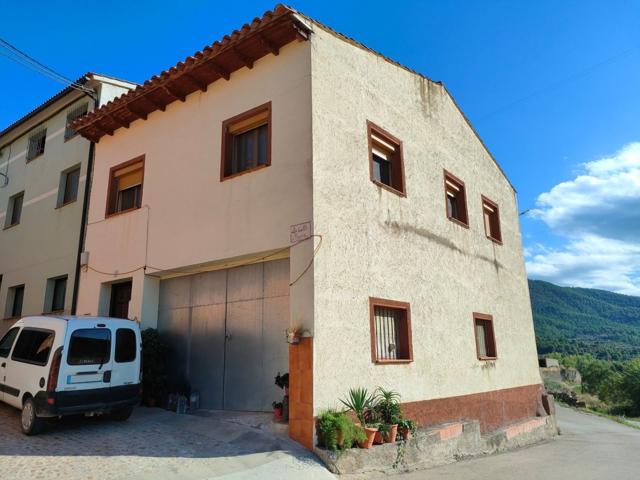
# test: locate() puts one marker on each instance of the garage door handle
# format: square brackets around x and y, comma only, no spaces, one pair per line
[228,337]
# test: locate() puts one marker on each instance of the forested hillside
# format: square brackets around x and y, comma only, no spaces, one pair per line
[582,320]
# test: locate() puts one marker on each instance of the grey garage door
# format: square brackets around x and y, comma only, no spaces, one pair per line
[226,333]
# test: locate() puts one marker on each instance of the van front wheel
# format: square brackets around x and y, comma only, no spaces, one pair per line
[122,414]
[31,424]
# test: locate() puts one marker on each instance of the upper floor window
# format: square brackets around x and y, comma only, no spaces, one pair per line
[456,199]
[55,294]
[485,336]
[491,220]
[14,210]
[68,190]
[15,297]
[246,142]
[35,144]
[390,331]
[72,116]
[385,159]
[125,186]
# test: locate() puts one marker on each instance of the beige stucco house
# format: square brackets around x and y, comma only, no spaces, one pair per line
[43,172]
[288,175]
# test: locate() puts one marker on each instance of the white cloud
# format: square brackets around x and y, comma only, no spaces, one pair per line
[598,212]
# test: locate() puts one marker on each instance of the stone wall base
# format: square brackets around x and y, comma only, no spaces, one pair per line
[439,445]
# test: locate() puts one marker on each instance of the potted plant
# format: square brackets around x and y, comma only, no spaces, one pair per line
[336,431]
[277,410]
[406,428]
[360,401]
[294,334]
[389,413]
[282,381]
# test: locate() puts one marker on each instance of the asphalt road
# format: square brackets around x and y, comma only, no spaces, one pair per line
[589,447]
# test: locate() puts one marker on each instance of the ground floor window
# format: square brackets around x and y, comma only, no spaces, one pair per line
[390,331]
[485,337]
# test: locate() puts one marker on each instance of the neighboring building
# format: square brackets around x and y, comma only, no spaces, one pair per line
[413,278]
[43,171]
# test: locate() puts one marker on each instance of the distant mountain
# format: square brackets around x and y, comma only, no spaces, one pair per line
[583,320]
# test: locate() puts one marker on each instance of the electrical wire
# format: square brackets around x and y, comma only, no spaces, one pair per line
[251,262]
[558,83]
[15,54]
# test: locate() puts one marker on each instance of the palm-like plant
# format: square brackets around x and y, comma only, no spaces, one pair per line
[359,401]
[387,405]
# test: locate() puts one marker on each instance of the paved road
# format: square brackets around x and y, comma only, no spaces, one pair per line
[590,447]
[155,444]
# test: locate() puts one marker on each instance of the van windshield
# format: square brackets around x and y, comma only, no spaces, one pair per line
[89,346]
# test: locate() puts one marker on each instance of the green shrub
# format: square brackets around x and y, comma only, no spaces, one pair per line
[154,368]
[336,430]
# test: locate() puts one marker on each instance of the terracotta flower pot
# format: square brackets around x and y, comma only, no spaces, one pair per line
[378,438]
[406,434]
[392,434]
[370,432]
[277,412]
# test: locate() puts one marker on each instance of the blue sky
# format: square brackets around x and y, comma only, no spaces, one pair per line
[552,87]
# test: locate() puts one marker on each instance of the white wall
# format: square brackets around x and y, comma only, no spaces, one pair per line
[378,244]
[189,217]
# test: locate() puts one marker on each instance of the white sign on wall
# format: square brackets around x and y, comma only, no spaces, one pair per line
[299,232]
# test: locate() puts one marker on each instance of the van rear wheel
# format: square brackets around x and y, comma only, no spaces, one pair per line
[122,414]
[29,421]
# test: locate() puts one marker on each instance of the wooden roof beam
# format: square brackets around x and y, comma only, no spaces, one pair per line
[217,68]
[173,93]
[154,103]
[118,121]
[269,45]
[247,61]
[195,81]
[103,130]
[136,112]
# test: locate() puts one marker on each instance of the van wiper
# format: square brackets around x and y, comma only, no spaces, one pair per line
[102,362]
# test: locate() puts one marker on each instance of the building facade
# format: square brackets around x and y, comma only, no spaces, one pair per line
[288,176]
[43,172]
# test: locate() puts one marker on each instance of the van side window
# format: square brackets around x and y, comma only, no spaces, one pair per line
[125,345]
[89,346]
[7,342]
[33,346]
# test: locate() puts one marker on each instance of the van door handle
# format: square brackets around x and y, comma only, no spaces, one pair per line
[4,364]
[106,377]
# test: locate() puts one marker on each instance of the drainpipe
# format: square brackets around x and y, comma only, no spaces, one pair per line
[85,212]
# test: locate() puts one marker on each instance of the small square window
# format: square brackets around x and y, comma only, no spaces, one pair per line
[125,187]
[390,331]
[456,199]
[246,142]
[491,216]
[36,143]
[386,166]
[72,116]
[15,298]
[14,210]
[55,294]
[485,337]
[68,190]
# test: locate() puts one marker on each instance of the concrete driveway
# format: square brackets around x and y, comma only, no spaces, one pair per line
[155,444]
[590,447]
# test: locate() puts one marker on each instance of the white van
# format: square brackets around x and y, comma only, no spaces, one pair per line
[55,366]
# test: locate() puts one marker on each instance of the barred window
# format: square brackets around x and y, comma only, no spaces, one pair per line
[36,143]
[390,331]
[72,116]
